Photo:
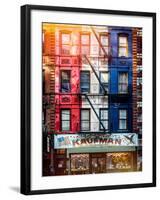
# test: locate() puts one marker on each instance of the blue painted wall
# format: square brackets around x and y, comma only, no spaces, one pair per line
[116,65]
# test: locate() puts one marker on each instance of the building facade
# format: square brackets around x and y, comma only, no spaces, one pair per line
[90,101]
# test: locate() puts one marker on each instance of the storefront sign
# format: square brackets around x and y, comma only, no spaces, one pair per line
[94,140]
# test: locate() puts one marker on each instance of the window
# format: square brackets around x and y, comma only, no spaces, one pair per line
[65,43]
[139,81]
[119,161]
[123,119]
[105,43]
[43,42]
[123,82]
[79,163]
[123,46]
[85,44]
[104,81]
[85,81]
[65,81]
[104,118]
[65,120]
[85,119]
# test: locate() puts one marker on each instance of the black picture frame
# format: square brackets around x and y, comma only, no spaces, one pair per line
[26,98]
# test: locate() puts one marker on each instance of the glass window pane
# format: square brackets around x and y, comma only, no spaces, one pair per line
[65,87]
[65,115]
[118,161]
[122,51]
[65,125]
[65,81]
[122,41]
[122,124]
[123,88]
[65,49]
[65,38]
[104,77]
[123,46]
[84,114]
[84,125]
[104,40]
[79,162]
[123,82]
[85,50]
[105,124]
[123,114]
[85,39]
[85,76]
[104,114]
[65,75]
[85,81]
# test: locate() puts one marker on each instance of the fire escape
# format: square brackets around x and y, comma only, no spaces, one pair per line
[105,92]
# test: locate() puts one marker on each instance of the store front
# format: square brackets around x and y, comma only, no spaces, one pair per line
[94,163]
[98,154]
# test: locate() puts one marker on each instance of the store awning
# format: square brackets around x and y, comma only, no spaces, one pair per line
[101,149]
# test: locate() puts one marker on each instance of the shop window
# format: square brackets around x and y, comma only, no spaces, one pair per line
[85,81]
[104,118]
[122,119]
[123,83]
[65,120]
[104,78]
[65,43]
[104,44]
[85,119]
[85,43]
[98,165]
[65,81]
[119,161]
[79,163]
[123,46]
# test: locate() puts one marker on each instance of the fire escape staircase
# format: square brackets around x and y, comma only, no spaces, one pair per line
[86,96]
[101,85]
[92,67]
[99,42]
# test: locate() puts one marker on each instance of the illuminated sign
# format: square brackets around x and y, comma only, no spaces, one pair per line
[94,140]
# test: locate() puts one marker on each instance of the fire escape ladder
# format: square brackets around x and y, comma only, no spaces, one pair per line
[99,42]
[86,96]
[105,92]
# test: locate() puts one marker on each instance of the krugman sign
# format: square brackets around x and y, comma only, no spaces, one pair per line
[97,140]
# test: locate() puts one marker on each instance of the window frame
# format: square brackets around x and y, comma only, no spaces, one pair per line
[119,119]
[100,72]
[103,119]
[121,72]
[122,46]
[87,71]
[85,45]
[83,109]
[65,109]
[100,48]
[61,43]
[61,71]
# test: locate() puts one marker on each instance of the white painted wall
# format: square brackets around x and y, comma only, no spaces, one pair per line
[97,101]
